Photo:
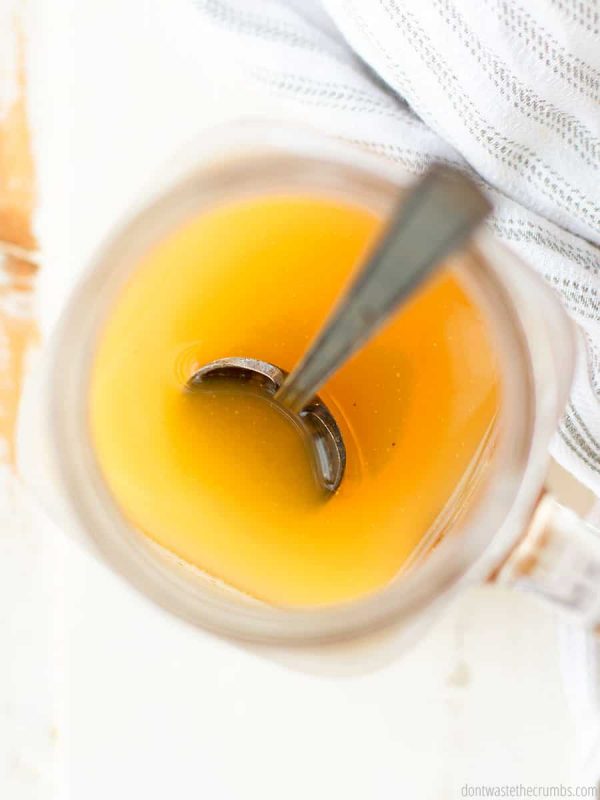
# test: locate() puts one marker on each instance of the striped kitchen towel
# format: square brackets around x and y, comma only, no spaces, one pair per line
[508,88]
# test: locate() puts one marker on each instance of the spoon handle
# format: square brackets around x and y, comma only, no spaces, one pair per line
[432,221]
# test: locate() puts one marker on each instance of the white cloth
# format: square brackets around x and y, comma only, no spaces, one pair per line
[509,89]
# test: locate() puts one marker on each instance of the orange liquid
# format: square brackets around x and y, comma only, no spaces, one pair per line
[222,478]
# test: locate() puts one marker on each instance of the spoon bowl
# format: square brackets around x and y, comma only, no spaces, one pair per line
[317,421]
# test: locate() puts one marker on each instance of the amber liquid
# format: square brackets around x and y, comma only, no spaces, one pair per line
[222,478]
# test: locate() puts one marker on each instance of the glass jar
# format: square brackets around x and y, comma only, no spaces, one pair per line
[501,527]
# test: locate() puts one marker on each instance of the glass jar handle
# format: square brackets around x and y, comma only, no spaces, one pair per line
[559,559]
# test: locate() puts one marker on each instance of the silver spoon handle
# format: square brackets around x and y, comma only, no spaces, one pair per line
[433,219]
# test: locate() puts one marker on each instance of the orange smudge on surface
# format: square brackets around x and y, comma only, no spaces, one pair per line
[18,334]
[17,181]
[18,329]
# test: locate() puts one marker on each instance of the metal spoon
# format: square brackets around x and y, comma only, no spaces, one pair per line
[433,218]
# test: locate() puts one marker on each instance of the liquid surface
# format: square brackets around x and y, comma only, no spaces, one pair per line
[225,480]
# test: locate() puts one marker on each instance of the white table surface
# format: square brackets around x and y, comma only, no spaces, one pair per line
[114,699]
